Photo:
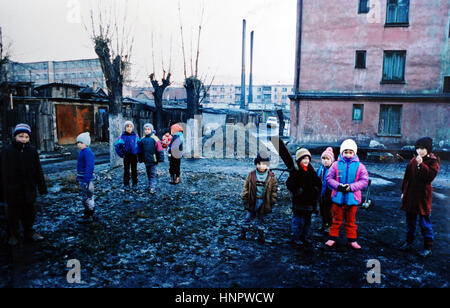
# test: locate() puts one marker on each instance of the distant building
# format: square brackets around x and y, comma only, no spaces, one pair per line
[371,70]
[264,97]
[80,72]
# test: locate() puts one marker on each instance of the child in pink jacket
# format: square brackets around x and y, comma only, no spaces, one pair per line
[347,177]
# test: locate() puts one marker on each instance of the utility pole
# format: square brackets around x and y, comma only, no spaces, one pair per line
[3,92]
[243,66]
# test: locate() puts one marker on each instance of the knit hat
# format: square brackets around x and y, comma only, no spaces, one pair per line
[349,144]
[22,128]
[425,142]
[176,128]
[328,152]
[262,157]
[128,123]
[300,153]
[84,138]
[149,125]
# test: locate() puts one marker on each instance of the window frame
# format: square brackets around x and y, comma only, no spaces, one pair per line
[361,107]
[393,81]
[359,52]
[360,7]
[389,118]
[390,23]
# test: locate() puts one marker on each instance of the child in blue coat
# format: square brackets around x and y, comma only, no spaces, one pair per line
[85,175]
[127,148]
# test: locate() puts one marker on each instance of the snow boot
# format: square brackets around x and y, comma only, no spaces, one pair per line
[172,179]
[243,233]
[177,180]
[88,217]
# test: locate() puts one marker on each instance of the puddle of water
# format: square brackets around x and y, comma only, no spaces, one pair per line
[380,182]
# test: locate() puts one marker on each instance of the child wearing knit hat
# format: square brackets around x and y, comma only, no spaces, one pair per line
[305,185]
[85,176]
[325,202]
[127,148]
[21,175]
[175,153]
[346,177]
[417,194]
[151,153]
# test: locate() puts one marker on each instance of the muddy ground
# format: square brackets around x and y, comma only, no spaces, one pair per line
[186,235]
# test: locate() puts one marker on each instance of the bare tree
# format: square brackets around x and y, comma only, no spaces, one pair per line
[158,91]
[113,44]
[194,86]
[4,89]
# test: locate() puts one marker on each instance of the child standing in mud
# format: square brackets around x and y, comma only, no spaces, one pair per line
[22,175]
[175,152]
[347,177]
[151,153]
[325,202]
[305,186]
[259,194]
[85,176]
[127,148]
[417,194]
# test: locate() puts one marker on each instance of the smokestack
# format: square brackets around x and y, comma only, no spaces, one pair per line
[250,84]
[243,67]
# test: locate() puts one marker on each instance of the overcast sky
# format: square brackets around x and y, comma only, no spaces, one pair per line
[43,30]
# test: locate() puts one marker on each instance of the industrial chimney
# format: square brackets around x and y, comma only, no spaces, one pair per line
[243,67]
[250,84]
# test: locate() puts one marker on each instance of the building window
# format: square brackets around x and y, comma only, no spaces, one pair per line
[358,111]
[447,84]
[390,120]
[360,59]
[363,7]
[397,13]
[394,67]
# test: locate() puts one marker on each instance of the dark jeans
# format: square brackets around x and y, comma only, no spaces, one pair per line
[130,161]
[175,165]
[24,213]
[151,175]
[325,212]
[301,225]
[426,228]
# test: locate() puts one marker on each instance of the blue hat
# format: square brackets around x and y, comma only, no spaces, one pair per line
[22,128]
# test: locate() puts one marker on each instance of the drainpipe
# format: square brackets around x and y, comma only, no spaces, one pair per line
[243,67]
[298,58]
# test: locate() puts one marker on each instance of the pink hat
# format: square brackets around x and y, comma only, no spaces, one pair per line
[328,152]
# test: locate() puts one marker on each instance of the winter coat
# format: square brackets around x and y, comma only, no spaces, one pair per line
[176,146]
[416,186]
[305,187]
[270,192]
[325,194]
[21,174]
[166,140]
[351,172]
[85,166]
[127,144]
[151,150]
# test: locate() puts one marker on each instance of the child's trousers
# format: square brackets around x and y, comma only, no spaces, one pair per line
[341,213]
[24,213]
[130,161]
[151,175]
[301,225]
[87,196]
[255,215]
[425,227]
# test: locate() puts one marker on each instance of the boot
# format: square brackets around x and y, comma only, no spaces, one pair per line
[177,180]
[88,216]
[261,238]
[172,179]
[243,233]
[406,246]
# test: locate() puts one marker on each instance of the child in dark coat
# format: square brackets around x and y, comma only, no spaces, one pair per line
[305,186]
[417,193]
[85,176]
[175,152]
[151,153]
[325,202]
[22,175]
[259,194]
[127,148]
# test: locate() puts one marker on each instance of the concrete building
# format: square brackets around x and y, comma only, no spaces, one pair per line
[376,69]
[80,72]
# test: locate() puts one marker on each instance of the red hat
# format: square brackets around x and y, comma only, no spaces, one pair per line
[176,128]
[328,152]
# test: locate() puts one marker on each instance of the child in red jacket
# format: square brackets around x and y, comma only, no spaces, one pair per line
[417,193]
